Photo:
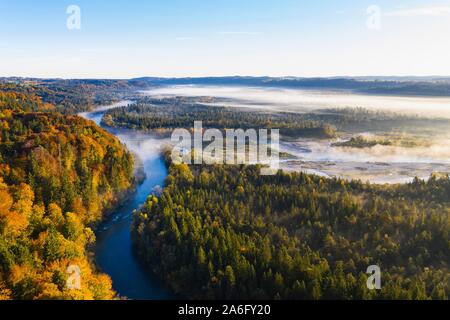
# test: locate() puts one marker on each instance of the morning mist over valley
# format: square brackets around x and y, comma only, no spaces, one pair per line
[226,158]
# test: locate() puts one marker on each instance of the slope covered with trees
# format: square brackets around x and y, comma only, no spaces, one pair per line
[19,101]
[70,96]
[227,232]
[58,176]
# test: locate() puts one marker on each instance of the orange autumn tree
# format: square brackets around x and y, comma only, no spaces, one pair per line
[58,175]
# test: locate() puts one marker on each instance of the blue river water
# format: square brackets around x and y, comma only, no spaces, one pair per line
[114,254]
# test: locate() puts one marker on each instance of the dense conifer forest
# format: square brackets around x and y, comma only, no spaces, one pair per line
[172,113]
[226,232]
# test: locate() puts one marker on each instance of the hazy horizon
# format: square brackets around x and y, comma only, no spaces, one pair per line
[360,77]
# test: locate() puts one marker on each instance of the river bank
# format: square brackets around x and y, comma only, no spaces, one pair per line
[114,253]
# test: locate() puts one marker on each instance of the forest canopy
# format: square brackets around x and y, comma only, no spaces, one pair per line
[58,177]
[225,232]
[68,96]
[180,112]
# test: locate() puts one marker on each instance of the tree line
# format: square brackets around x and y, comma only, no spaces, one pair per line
[172,113]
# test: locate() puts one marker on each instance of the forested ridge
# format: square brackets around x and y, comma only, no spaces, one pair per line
[227,232]
[58,177]
[69,96]
[20,101]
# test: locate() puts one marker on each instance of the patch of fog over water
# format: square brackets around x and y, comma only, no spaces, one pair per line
[144,145]
[299,100]
[379,164]
[97,115]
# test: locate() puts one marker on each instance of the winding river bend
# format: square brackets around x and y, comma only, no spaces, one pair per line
[114,254]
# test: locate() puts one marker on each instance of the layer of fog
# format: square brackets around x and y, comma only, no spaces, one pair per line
[296,100]
[322,150]
[145,145]
[380,164]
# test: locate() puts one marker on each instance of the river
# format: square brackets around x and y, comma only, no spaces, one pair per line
[113,253]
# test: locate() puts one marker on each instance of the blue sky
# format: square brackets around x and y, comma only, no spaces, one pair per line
[174,38]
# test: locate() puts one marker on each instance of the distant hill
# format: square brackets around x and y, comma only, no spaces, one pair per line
[408,86]
[99,89]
